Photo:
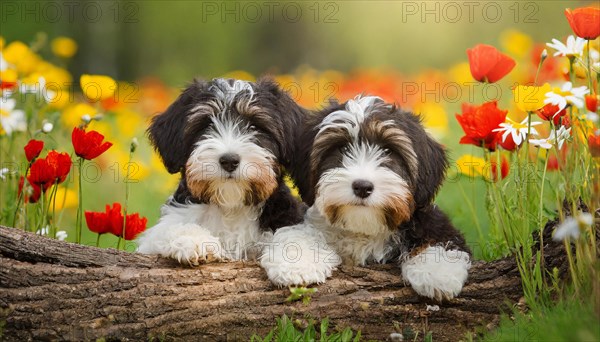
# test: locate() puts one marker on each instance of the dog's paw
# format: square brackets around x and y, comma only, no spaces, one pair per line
[195,248]
[187,243]
[287,273]
[298,256]
[436,272]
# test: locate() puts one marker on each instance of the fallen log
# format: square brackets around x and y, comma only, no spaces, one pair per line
[53,290]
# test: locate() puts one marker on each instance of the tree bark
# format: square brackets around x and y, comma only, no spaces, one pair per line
[53,290]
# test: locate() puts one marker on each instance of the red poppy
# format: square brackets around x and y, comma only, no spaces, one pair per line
[478,122]
[504,168]
[35,194]
[111,221]
[33,149]
[584,21]
[7,85]
[594,145]
[88,145]
[488,64]
[135,225]
[44,172]
[591,101]
[552,163]
[551,112]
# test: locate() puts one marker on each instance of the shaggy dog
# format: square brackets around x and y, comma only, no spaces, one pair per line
[370,172]
[229,141]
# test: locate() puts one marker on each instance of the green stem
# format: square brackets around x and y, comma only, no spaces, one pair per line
[571,70]
[21,198]
[54,226]
[541,227]
[539,68]
[472,210]
[80,205]
[126,199]
[42,207]
[589,69]
[98,240]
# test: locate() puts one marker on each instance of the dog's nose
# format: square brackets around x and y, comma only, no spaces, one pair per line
[362,188]
[229,161]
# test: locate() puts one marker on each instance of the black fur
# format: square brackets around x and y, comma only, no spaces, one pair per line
[174,133]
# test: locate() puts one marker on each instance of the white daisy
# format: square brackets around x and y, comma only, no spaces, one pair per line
[518,130]
[11,119]
[61,235]
[573,48]
[567,95]
[559,137]
[571,227]
[3,172]
[47,127]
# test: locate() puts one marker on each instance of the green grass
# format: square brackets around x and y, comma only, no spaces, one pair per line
[286,331]
[571,320]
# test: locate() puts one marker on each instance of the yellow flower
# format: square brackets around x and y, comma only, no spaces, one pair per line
[65,198]
[138,170]
[129,122]
[240,75]
[71,116]
[470,165]
[53,74]
[461,73]
[97,87]
[1,42]
[60,99]
[8,75]
[530,98]
[434,117]
[516,42]
[64,47]
[19,55]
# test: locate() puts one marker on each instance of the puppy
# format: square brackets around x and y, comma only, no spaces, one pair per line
[370,172]
[229,141]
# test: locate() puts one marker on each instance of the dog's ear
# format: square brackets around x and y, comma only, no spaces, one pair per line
[432,169]
[290,116]
[166,131]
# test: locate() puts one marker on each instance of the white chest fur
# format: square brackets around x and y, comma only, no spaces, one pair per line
[354,246]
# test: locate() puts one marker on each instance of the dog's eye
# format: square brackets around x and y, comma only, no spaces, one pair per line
[386,151]
[252,128]
[344,149]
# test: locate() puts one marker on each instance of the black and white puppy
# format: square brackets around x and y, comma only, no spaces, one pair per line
[370,172]
[229,139]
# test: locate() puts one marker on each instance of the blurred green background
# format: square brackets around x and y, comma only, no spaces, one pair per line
[176,40]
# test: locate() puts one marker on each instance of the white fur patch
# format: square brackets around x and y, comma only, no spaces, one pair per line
[436,272]
[193,233]
[355,112]
[298,255]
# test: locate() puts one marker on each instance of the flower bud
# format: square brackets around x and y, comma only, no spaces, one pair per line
[134,145]
[47,127]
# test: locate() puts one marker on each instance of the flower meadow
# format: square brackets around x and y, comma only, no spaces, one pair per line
[520,120]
